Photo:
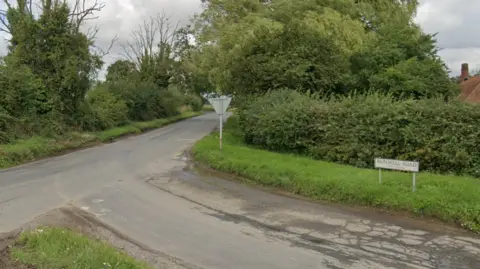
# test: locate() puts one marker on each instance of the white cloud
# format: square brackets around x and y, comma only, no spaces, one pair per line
[456,24]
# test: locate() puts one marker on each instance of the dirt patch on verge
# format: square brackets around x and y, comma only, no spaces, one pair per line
[83,222]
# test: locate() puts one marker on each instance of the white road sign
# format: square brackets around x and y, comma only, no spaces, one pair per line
[397,165]
[220,104]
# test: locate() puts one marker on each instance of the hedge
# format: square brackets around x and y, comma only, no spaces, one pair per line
[443,136]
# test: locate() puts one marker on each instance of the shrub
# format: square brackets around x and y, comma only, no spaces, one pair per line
[193,101]
[146,101]
[5,122]
[279,121]
[22,93]
[167,103]
[107,110]
[443,137]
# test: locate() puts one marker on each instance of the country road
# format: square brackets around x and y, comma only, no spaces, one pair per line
[143,188]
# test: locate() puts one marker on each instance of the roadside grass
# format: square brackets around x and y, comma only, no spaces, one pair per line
[55,248]
[26,150]
[453,199]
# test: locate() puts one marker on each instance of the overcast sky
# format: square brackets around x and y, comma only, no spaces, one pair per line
[455,21]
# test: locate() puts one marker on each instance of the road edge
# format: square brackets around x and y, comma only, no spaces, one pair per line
[92,144]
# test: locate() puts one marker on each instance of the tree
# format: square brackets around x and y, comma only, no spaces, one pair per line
[327,47]
[403,51]
[121,69]
[53,47]
[151,49]
[189,75]
[415,78]
[273,48]
[220,13]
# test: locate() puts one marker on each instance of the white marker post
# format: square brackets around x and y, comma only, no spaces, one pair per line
[398,165]
[220,105]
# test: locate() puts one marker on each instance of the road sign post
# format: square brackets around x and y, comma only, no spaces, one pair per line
[221,130]
[398,165]
[220,105]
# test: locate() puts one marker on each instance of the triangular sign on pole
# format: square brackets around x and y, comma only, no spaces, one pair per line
[220,104]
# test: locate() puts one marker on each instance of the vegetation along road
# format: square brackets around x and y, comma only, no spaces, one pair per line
[142,188]
[319,90]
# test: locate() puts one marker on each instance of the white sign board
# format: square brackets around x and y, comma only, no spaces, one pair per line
[397,165]
[220,104]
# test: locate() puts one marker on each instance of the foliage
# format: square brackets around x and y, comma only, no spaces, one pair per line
[22,93]
[32,148]
[6,121]
[288,116]
[22,98]
[354,130]
[449,198]
[121,70]
[48,85]
[189,75]
[145,100]
[152,48]
[194,101]
[328,47]
[53,48]
[415,79]
[108,110]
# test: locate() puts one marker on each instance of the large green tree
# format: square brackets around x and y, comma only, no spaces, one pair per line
[324,46]
[52,46]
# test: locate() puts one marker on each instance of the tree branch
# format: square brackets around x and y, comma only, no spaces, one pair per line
[156,33]
[82,12]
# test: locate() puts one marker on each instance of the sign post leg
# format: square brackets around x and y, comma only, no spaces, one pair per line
[380,175]
[221,127]
[414,182]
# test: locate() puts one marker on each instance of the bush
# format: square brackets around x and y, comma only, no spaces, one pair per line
[167,103]
[194,101]
[145,100]
[443,137]
[5,123]
[107,110]
[279,121]
[450,198]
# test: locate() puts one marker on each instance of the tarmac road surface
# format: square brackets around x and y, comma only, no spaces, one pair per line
[142,187]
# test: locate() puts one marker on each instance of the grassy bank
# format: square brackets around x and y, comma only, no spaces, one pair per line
[60,248]
[453,199]
[27,150]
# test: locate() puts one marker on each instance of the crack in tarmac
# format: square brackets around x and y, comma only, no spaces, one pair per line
[352,240]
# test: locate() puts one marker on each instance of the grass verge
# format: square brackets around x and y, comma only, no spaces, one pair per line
[452,199]
[22,151]
[61,248]
[140,127]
